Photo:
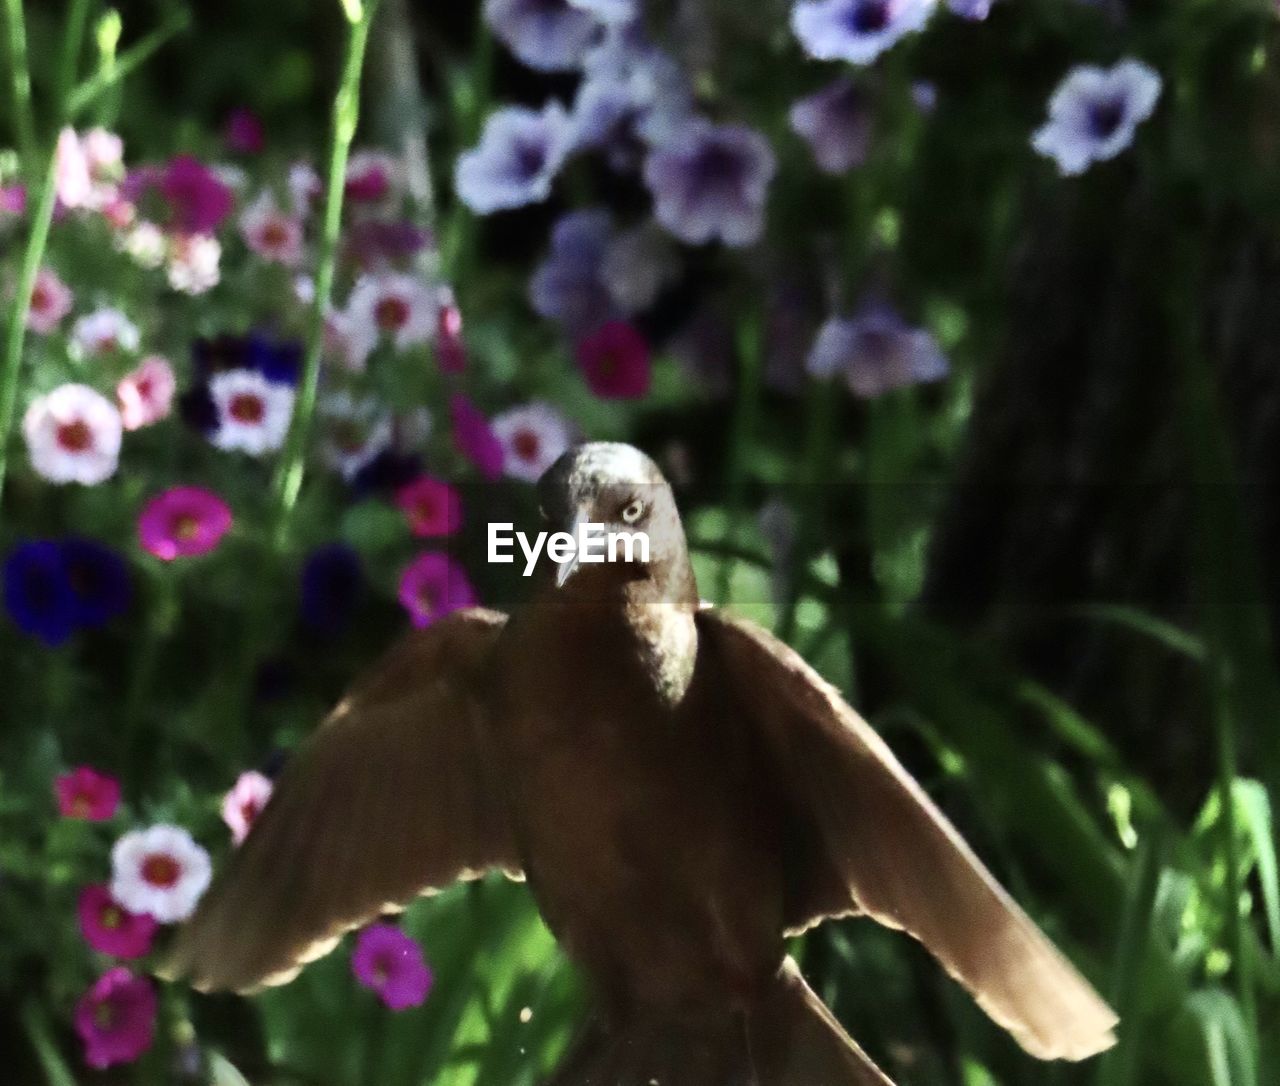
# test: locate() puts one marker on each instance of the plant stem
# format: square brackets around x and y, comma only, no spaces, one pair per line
[346,114]
[23,114]
[72,40]
[91,89]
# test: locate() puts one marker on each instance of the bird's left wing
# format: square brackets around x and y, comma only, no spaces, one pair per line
[389,798]
[864,823]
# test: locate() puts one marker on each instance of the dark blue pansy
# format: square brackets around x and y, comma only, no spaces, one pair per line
[38,594]
[99,580]
[331,583]
[280,363]
[389,470]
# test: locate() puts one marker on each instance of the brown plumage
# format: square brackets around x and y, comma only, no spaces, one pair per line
[681,791]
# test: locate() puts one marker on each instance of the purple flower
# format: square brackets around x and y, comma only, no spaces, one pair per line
[856,30]
[549,35]
[198,201]
[388,962]
[331,587]
[618,12]
[432,586]
[1095,112]
[243,132]
[566,287]
[183,520]
[836,122]
[474,438]
[711,181]
[520,152]
[110,928]
[116,1018]
[876,351]
[971,9]
[99,581]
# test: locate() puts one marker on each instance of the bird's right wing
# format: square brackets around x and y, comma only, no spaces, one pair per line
[390,797]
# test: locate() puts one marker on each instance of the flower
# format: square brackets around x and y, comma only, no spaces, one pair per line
[278,361]
[37,594]
[432,506]
[355,431]
[877,351]
[397,306]
[388,962]
[103,332]
[549,35]
[331,585]
[13,199]
[272,234]
[377,243]
[520,152]
[192,265]
[104,154]
[432,586]
[1095,112]
[253,413]
[144,243]
[73,435]
[242,805]
[971,9]
[711,181]
[159,871]
[110,928]
[372,177]
[638,265]
[145,396]
[199,201]
[836,122]
[451,348]
[116,1018]
[72,182]
[99,581]
[615,362]
[87,794]
[183,521]
[474,438]
[856,30]
[51,300]
[567,286]
[533,436]
[305,186]
[621,12]
[243,132]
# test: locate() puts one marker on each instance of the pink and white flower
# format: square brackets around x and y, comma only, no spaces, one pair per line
[356,431]
[533,436]
[271,233]
[103,332]
[73,435]
[72,181]
[159,872]
[305,188]
[193,263]
[51,300]
[146,395]
[253,413]
[373,177]
[144,243]
[103,153]
[400,307]
[242,805]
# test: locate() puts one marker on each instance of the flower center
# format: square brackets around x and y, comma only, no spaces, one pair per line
[381,972]
[186,527]
[247,408]
[75,436]
[869,16]
[106,344]
[40,298]
[391,313]
[104,1016]
[81,807]
[427,598]
[111,917]
[531,157]
[249,810]
[161,870]
[526,444]
[275,235]
[718,168]
[1106,116]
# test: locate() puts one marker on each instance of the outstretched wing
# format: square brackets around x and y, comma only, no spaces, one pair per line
[900,860]
[389,798]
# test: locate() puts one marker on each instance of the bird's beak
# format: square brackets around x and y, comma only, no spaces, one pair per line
[569,566]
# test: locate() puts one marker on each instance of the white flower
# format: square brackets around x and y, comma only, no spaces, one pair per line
[253,413]
[144,244]
[356,431]
[104,153]
[160,872]
[1095,112]
[305,188]
[73,435]
[242,805]
[856,30]
[51,300]
[271,233]
[519,154]
[532,437]
[102,332]
[399,306]
[193,263]
[72,181]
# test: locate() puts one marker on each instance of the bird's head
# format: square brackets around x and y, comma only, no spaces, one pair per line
[620,492]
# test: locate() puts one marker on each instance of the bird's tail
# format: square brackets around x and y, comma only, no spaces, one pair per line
[786,1037]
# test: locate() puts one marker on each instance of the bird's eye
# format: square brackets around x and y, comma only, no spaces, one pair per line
[632,512]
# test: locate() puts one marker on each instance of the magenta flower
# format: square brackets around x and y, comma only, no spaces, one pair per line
[85,793]
[432,586]
[243,132]
[183,521]
[389,963]
[110,928]
[199,202]
[242,805]
[13,199]
[432,507]
[615,361]
[474,438]
[116,1018]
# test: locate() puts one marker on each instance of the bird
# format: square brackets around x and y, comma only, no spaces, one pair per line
[682,794]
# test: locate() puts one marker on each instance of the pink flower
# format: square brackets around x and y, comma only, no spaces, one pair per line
[103,332]
[183,521]
[116,1018]
[73,435]
[388,962]
[72,181]
[271,233]
[243,132]
[372,176]
[451,351]
[86,793]
[13,199]
[432,586]
[533,437]
[51,300]
[432,507]
[615,361]
[145,396]
[103,153]
[198,201]
[242,805]
[160,872]
[399,307]
[474,438]
[110,928]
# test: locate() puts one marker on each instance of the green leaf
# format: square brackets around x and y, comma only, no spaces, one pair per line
[1229,1043]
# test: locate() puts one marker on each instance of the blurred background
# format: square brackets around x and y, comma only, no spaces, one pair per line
[994,442]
